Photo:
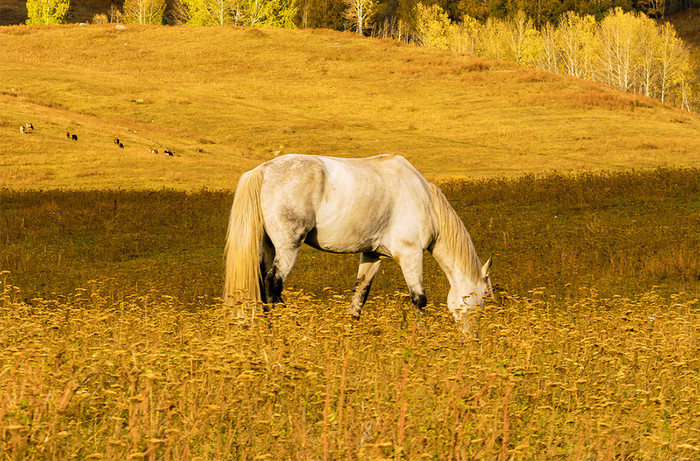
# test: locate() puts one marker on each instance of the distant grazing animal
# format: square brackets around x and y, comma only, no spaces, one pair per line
[168,152]
[153,150]
[381,207]
[116,141]
[22,129]
[74,137]
[67,135]
[29,126]
[121,146]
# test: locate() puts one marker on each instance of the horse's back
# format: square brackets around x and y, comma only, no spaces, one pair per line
[304,170]
[348,205]
[313,178]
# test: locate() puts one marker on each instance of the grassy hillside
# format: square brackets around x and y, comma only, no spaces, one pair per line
[226,99]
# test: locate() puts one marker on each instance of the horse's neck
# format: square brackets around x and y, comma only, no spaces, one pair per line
[453,248]
[457,260]
[448,263]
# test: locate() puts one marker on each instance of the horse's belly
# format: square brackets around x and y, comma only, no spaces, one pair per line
[342,240]
[354,214]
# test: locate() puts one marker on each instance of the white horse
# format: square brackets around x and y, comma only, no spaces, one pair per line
[379,206]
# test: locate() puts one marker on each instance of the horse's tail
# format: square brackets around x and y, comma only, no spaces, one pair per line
[243,241]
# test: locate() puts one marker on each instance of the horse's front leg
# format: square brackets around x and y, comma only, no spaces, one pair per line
[369,265]
[411,262]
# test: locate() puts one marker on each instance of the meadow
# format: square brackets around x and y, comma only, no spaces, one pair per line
[114,343]
[89,377]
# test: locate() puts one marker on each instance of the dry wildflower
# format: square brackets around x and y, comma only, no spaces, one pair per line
[308,384]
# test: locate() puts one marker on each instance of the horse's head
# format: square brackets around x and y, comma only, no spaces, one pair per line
[464,299]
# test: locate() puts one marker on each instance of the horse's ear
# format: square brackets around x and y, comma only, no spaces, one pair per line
[486,267]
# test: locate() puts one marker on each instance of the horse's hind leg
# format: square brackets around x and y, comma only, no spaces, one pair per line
[369,265]
[267,259]
[284,260]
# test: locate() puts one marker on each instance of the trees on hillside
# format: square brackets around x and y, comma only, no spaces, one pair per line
[628,51]
[433,27]
[620,36]
[625,50]
[521,39]
[323,14]
[212,12]
[673,64]
[272,13]
[47,11]
[144,11]
[575,46]
[358,13]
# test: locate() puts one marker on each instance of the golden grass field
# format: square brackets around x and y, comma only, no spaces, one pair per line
[226,99]
[142,377]
[114,344]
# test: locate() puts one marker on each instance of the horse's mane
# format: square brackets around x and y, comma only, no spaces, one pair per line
[454,235]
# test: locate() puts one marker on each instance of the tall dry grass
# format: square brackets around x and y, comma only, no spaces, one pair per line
[93,377]
[618,233]
[113,344]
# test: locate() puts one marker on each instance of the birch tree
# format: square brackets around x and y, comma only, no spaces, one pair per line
[466,38]
[433,26]
[47,11]
[269,13]
[359,13]
[673,60]
[256,13]
[548,58]
[618,40]
[521,38]
[576,42]
[648,42]
[214,12]
[144,11]
[493,44]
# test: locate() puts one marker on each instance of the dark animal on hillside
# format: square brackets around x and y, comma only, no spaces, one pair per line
[121,146]
[67,135]
[116,141]
[168,152]
[74,137]
[29,126]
